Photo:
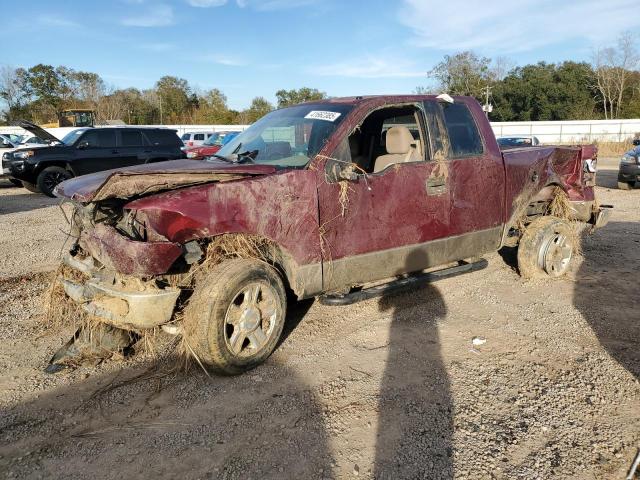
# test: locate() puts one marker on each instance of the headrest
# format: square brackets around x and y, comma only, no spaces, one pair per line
[399,140]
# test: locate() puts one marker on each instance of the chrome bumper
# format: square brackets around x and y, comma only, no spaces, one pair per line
[147,308]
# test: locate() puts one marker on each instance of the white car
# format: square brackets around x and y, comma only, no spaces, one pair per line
[7,145]
[195,139]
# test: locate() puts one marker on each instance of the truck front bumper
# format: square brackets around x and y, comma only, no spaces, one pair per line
[132,305]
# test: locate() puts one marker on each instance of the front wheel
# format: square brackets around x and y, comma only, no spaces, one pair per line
[50,177]
[546,248]
[235,316]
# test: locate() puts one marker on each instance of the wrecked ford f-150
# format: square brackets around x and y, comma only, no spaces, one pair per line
[341,199]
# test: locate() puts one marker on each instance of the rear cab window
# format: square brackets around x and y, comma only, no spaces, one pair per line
[464,137]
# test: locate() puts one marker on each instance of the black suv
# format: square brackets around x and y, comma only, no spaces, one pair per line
[87,150]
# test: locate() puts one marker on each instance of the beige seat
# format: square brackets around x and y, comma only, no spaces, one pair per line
[401,147]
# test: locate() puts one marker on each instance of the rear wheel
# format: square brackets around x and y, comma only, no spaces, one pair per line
[546,248]
[50,177]
[235,317]
[625,185]
[31,187]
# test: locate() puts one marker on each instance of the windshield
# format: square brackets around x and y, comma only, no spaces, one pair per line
[73,136]
[212,140]
[289,137]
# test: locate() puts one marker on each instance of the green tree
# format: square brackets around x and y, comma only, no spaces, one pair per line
[464,73]
[175,98]
[259,107]
[292,97]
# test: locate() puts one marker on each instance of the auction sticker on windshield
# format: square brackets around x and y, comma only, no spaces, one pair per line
[322,115]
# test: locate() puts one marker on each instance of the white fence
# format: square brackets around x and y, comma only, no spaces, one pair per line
[574,131]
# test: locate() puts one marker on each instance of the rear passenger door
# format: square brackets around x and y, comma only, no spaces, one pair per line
[95,151]
[474,178]
[131,148]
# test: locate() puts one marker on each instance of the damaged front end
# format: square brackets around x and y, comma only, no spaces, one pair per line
[118,280]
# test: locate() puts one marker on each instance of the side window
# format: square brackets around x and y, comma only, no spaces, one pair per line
[463,133]
[198,136]
[106,138]
[131,138]
[90,138]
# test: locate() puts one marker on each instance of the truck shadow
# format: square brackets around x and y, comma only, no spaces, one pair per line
[415,425]
[606,291]
[150,422]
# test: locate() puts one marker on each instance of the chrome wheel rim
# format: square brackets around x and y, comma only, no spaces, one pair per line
[251,319]
[557,254]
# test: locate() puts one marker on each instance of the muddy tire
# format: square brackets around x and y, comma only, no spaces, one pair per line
[546,248]
[625,185]
[235,316]
[50,177]
[31,187]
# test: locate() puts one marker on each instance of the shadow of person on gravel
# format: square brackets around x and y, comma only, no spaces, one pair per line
[151,421]
[415,425]
[606,291]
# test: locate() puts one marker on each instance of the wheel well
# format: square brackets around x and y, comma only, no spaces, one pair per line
[55,163]
[245,245]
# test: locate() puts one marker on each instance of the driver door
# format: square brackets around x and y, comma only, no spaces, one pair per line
[387,222]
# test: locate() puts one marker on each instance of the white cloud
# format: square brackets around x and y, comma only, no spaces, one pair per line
[227,60]
[266,5]
[155,16]
[369,67]
[206,3]
[56,21]
[506,26]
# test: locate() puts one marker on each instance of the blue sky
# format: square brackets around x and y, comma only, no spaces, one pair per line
[249,48]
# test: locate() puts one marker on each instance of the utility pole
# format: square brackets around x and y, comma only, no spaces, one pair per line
[487,107]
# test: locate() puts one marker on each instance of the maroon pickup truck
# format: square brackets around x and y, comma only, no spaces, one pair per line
[344,199]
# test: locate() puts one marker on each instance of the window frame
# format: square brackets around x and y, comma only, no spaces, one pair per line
[440,104]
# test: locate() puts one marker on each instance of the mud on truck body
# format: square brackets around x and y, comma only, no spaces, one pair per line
[340,199]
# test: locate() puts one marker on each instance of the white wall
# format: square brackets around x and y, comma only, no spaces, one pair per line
[574,131]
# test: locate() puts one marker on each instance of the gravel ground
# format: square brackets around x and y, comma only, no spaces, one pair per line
[390,388]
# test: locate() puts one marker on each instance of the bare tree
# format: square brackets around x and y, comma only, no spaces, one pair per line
[12,88]
[612,68]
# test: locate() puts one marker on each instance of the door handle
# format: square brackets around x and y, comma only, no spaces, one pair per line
[436,185]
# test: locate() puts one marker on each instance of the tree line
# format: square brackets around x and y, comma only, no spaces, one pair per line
[38,93]
[608,87]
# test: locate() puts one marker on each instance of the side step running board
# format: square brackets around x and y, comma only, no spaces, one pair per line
[403,284]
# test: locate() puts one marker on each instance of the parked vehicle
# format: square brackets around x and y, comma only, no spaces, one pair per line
[313,200]
[210,146]
[629,170]
[515,142]
[87,150]
[195,139]
[7,145]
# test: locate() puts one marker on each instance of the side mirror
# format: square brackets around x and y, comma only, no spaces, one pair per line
[338,171]
[83,145]
[636,141]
